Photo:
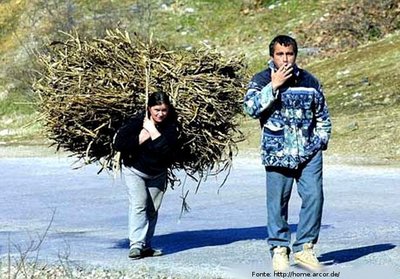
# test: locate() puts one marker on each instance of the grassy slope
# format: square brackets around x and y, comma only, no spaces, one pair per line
[364,113]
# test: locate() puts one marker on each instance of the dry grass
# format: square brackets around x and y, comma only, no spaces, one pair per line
[368,134]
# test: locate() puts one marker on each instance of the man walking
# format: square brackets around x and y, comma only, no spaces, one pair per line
[295,127]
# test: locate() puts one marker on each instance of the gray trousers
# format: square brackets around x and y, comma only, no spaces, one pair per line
[145,195]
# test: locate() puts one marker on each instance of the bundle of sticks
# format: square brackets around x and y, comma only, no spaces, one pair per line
[88,88]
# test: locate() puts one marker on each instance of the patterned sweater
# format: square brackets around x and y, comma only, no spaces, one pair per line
[294,119]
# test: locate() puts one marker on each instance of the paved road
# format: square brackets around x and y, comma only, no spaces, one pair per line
[83,219]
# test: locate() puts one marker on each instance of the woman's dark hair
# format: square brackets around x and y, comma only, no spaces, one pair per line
[282,40]
[159,98]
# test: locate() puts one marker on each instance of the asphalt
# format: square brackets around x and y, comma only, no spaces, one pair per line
[56,213]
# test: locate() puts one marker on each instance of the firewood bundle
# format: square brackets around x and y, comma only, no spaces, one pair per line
[88,88]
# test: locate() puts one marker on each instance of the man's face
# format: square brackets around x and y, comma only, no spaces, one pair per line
[283,55]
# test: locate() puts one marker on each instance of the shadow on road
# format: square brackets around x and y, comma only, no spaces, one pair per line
[185,240]
[181,241]
[348,255]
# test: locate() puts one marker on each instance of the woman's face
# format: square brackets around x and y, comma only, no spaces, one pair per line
[159,112]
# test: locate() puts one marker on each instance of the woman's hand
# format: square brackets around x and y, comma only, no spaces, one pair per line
[150,127]
[143,136]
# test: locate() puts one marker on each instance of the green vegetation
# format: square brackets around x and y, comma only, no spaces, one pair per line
[362,86]
[361,79]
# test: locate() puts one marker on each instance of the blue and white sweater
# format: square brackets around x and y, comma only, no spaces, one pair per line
[294,119]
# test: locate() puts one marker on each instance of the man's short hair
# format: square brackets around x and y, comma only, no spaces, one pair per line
[282,40]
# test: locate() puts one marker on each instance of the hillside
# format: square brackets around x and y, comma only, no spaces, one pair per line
[352,46]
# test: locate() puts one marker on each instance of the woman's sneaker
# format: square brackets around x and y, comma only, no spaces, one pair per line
[280,259]
[135,253]
[306,258]
[150,252]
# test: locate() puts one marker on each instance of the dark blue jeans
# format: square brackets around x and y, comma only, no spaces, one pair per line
[280,181]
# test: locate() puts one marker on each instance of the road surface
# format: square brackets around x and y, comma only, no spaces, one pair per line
[82,218]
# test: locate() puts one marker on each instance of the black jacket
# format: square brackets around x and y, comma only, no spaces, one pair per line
[152,157]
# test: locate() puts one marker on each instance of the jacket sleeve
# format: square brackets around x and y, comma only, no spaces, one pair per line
[323,122]
[258,98]
[127,137]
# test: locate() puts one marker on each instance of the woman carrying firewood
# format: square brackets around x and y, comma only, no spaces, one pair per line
[147,143]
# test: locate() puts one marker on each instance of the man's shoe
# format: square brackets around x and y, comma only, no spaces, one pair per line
[150,252]
[307,258]
[135,253]
[280,259]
